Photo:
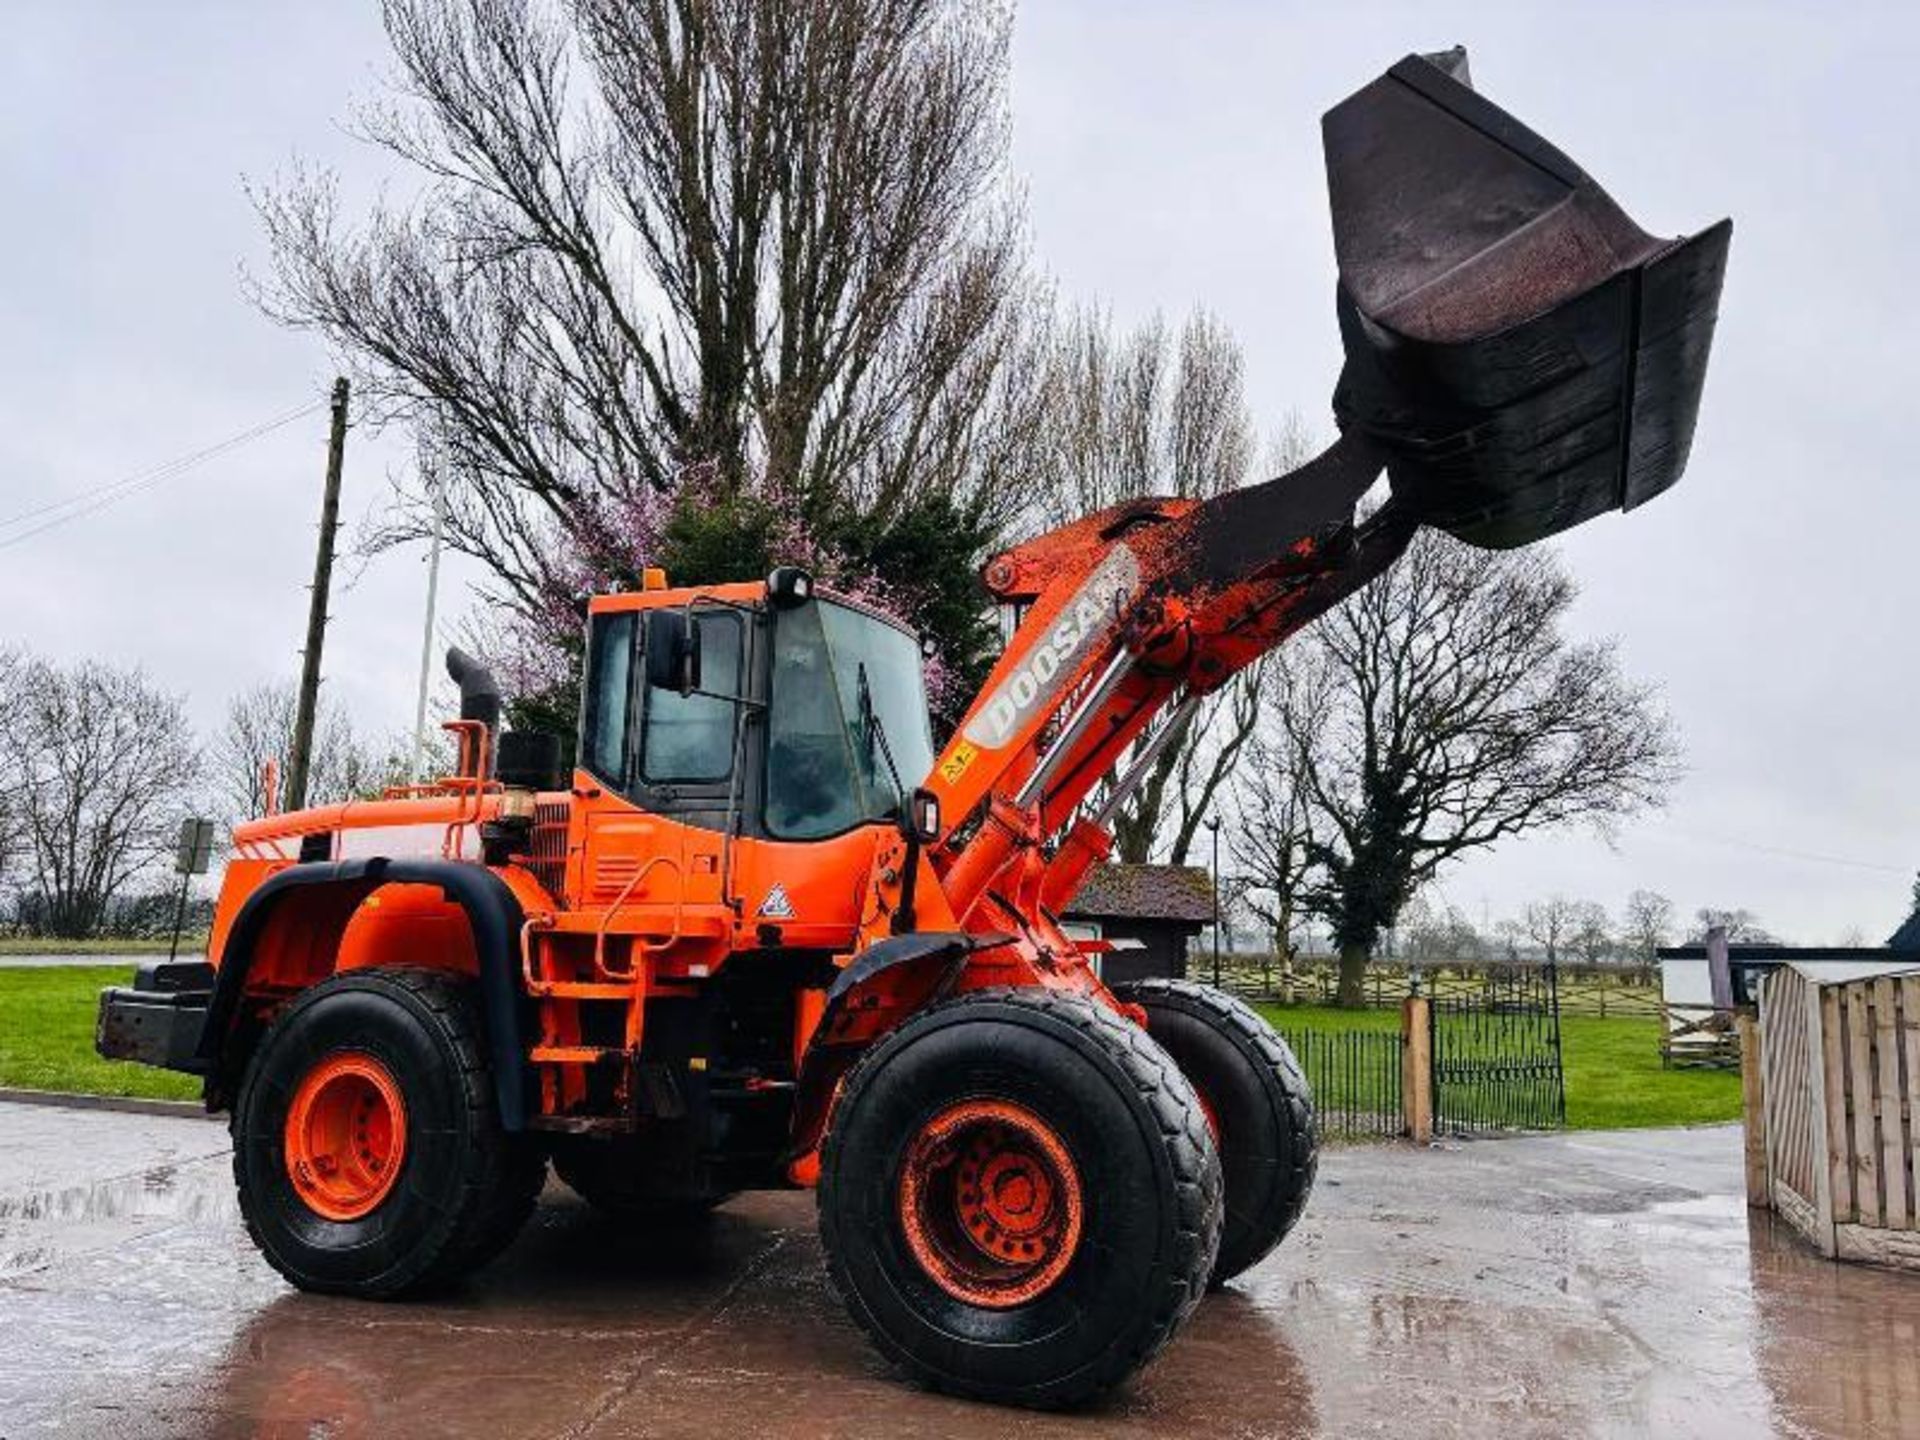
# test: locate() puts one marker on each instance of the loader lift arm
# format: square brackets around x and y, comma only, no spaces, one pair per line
[1521,357]
[1127,612]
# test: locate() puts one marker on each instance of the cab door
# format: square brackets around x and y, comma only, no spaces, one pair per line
[689,757]
[661,778]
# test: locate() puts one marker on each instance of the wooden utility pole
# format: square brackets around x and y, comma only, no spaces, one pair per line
[301,758]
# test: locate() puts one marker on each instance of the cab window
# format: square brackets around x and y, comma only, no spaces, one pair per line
[603,719]
[688,739]
[847,730]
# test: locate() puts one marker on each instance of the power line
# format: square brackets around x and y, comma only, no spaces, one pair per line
[1700,838]
[58,512]
[166,468]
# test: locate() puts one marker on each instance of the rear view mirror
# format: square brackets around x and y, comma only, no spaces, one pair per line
[923,816]
[672,651]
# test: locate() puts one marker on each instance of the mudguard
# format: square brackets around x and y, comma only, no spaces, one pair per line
[841,1037]
[493,914]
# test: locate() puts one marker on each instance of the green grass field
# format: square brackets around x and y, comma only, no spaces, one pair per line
[1614,1077]
[1615,1080]
[46,1036]
[20,945]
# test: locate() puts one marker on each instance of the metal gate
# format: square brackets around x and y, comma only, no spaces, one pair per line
[1496,1052]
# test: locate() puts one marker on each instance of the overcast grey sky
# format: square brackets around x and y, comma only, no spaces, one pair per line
[1171,157]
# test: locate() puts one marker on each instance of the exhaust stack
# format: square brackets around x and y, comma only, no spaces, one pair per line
[479,700]
[479,691]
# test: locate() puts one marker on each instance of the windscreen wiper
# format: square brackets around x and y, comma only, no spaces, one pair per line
[872,731]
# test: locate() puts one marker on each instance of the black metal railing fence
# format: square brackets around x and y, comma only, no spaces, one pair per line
[1355,1075]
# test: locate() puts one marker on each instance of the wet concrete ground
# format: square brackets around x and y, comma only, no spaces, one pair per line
[1591,1285]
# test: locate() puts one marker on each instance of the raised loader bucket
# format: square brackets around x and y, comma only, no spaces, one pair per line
[1526,355]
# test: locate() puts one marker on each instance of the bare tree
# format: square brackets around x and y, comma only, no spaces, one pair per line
[1442,710]
[1511,934]
[1433,938]
[1148,411]
[1551,924]
[1141,412]
[259,728]
[1269,844]
[1184,784]
[101,765]
[1592,939]
[772,243]
[1743,927]
[13,663]
[1646,924]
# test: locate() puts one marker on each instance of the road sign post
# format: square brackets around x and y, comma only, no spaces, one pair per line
[191,856]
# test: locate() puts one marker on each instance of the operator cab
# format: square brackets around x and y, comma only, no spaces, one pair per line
[776,710]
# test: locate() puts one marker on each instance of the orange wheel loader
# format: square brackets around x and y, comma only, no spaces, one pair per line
[764,934]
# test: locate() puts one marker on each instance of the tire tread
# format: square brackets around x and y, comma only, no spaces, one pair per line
[1245,1027]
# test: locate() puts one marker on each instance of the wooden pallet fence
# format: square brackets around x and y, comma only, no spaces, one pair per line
[1834,1092]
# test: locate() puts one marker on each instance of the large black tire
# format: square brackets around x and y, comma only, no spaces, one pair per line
[1268,1136]
[1144,1167]
[464,1187]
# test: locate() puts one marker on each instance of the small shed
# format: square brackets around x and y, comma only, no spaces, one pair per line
[1686,979]
[1160,908]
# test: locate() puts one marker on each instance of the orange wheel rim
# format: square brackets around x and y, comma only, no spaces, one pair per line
[346,1136]
[990,1203]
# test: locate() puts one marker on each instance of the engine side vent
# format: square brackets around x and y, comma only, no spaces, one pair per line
[547,858]
[613,876]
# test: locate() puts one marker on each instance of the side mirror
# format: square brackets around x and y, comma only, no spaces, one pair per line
[920,826]
[922,820]
[672,651]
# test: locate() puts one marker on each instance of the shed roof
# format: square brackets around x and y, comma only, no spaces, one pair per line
[1907,937]
[1779,954]
[1145,892]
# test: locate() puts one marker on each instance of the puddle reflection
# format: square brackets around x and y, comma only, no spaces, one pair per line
[39,1226]
[668,1334]
[1838,1344]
